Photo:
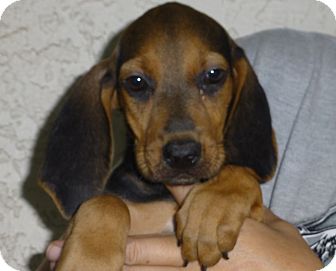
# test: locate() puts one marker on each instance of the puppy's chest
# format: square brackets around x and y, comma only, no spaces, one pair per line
[131,186]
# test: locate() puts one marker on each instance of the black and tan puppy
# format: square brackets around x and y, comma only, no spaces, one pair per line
[196,114]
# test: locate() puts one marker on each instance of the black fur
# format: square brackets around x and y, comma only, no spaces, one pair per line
[248,140]
[77,157]
[127,182]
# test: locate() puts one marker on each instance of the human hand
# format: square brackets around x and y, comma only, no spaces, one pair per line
[272,246]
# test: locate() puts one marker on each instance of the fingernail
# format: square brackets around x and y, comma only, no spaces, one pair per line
[203,268]
[185,263]
[225,256]
[54,251]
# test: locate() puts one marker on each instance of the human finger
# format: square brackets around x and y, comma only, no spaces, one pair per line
[151,268]
[153,251]
[179,192]
[54,250]
[193,266]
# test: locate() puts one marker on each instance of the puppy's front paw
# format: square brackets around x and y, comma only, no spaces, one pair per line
[96,237]
[210,219]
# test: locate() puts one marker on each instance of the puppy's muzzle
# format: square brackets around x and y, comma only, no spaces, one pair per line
[182,154]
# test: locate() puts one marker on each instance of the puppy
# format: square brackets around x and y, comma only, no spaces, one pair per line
[195,113]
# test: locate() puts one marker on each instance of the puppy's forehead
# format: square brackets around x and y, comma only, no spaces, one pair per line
[171,27]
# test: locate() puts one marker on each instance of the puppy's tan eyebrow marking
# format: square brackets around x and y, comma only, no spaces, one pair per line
[215,60]
[131,66]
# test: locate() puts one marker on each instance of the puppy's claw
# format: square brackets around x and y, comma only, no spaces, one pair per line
[225,256]
[203,268]
[185,263]
[179,242]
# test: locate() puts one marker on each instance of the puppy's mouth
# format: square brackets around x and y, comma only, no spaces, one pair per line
[176,178]
[179,163]
[198,174]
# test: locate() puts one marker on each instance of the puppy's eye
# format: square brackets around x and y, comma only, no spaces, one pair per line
[136,83]
[214,76]
[139,86]
[211,80]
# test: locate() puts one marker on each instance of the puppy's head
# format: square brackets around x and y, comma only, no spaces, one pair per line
[191,100]
[180,79]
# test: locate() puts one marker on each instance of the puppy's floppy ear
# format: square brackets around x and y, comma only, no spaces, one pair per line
[249,137]
[79,152]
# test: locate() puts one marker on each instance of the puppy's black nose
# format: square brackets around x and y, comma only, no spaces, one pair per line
[182,154]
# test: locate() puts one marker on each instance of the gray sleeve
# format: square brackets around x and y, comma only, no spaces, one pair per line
[298,73]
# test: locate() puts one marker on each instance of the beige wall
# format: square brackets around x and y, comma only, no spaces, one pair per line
[44,45]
